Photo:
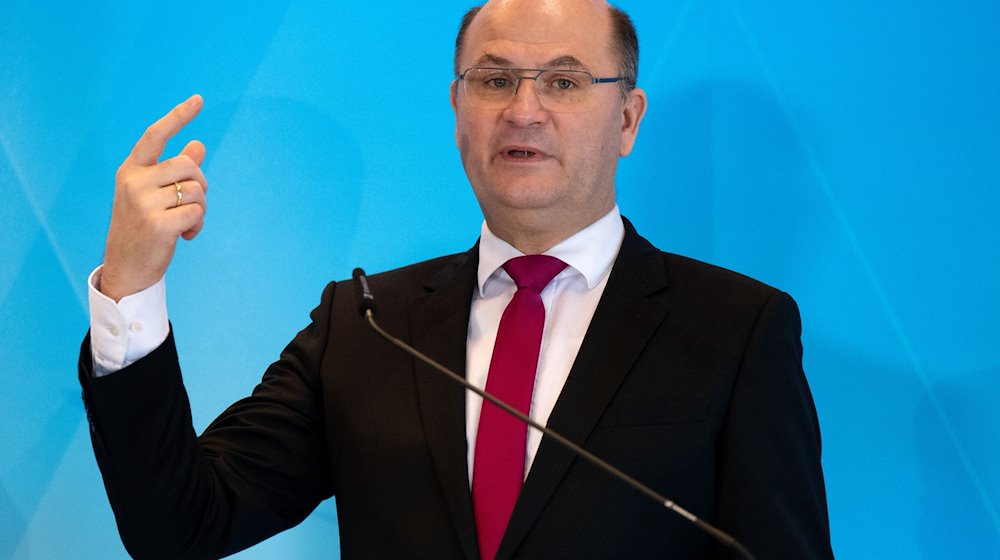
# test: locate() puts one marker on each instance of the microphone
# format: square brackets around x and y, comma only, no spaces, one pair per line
[366,307]
[366,301]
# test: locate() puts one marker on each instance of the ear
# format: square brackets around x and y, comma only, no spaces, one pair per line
[453,94]
[632,113]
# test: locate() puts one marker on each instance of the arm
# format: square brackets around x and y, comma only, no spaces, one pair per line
[772,496]
[259,469]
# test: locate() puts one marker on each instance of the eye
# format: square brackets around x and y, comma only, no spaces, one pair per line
[497,81]
[563,82]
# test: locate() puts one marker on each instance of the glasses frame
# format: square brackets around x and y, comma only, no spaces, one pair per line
[538,73]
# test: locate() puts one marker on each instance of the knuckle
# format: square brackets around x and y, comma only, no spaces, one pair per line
[197,211]
[126,180]
[182,164]
[126,173]
[151,134]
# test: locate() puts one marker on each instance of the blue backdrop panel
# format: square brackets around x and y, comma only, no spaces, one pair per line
[847,152]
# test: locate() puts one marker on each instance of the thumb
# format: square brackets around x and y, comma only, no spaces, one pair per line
[195,150]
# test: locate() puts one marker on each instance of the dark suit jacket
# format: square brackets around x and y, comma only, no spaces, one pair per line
[689,379]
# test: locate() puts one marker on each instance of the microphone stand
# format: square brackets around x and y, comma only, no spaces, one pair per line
[366,306]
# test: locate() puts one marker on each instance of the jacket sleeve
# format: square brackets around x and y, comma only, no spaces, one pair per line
[770,480]
[258,469]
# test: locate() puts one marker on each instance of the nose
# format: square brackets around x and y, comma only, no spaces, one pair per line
[525,107]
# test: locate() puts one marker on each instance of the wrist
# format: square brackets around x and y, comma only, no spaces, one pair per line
[108,283]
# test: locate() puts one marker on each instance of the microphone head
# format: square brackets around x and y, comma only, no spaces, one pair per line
[364,295]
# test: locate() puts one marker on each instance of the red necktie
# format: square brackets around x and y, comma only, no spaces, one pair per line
[498,470]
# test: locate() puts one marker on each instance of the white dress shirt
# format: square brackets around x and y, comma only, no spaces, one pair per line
[570,300]
[124,332]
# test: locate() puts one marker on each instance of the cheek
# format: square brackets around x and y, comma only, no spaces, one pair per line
[611,138]
[462,139]
[471,161]
[593,145]
[472,140]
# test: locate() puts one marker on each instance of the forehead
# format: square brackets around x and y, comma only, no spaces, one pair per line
[531,33]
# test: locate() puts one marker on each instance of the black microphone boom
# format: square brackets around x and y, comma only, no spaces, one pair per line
[366,306]
[366,301]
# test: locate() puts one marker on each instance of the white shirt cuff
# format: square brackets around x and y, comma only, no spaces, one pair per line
[124,332]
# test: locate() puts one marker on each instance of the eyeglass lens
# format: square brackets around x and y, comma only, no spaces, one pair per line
[557,90]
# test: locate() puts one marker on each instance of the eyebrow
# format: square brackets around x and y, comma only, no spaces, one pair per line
[564,61]
[491,59]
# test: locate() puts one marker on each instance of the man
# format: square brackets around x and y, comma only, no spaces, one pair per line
[685,376]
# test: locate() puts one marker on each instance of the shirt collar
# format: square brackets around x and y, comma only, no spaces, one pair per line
[589,252]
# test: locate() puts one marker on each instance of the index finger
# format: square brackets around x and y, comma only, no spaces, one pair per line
[148,149]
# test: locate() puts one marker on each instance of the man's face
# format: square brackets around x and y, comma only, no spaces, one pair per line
[532,168]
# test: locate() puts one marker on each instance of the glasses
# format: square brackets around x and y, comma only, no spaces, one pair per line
[558,90]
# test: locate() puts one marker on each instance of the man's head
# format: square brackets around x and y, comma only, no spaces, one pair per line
[625,45]
[543,170]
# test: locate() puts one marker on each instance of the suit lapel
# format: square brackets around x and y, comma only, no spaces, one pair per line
[624,320]
[439,322]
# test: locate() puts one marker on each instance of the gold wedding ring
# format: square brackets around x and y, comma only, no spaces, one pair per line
[180,194]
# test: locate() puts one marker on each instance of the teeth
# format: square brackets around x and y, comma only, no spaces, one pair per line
[521,153]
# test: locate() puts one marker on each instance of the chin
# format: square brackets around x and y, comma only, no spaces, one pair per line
[527,194]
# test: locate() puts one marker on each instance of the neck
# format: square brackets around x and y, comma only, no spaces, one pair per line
[535,234]
[533,244]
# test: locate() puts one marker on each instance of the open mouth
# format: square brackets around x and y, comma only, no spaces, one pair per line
[520,153]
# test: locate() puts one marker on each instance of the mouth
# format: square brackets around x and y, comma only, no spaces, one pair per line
[522,153]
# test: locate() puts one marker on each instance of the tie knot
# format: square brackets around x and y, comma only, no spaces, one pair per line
[533,271]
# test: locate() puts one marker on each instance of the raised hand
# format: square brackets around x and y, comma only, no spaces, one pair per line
[155,203]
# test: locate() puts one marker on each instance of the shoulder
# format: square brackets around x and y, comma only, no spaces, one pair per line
[678,272]
[692,288]
[429,274]
[691,274]
[399,285]
[721,294]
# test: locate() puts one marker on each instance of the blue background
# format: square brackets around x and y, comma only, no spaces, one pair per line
[847,152]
